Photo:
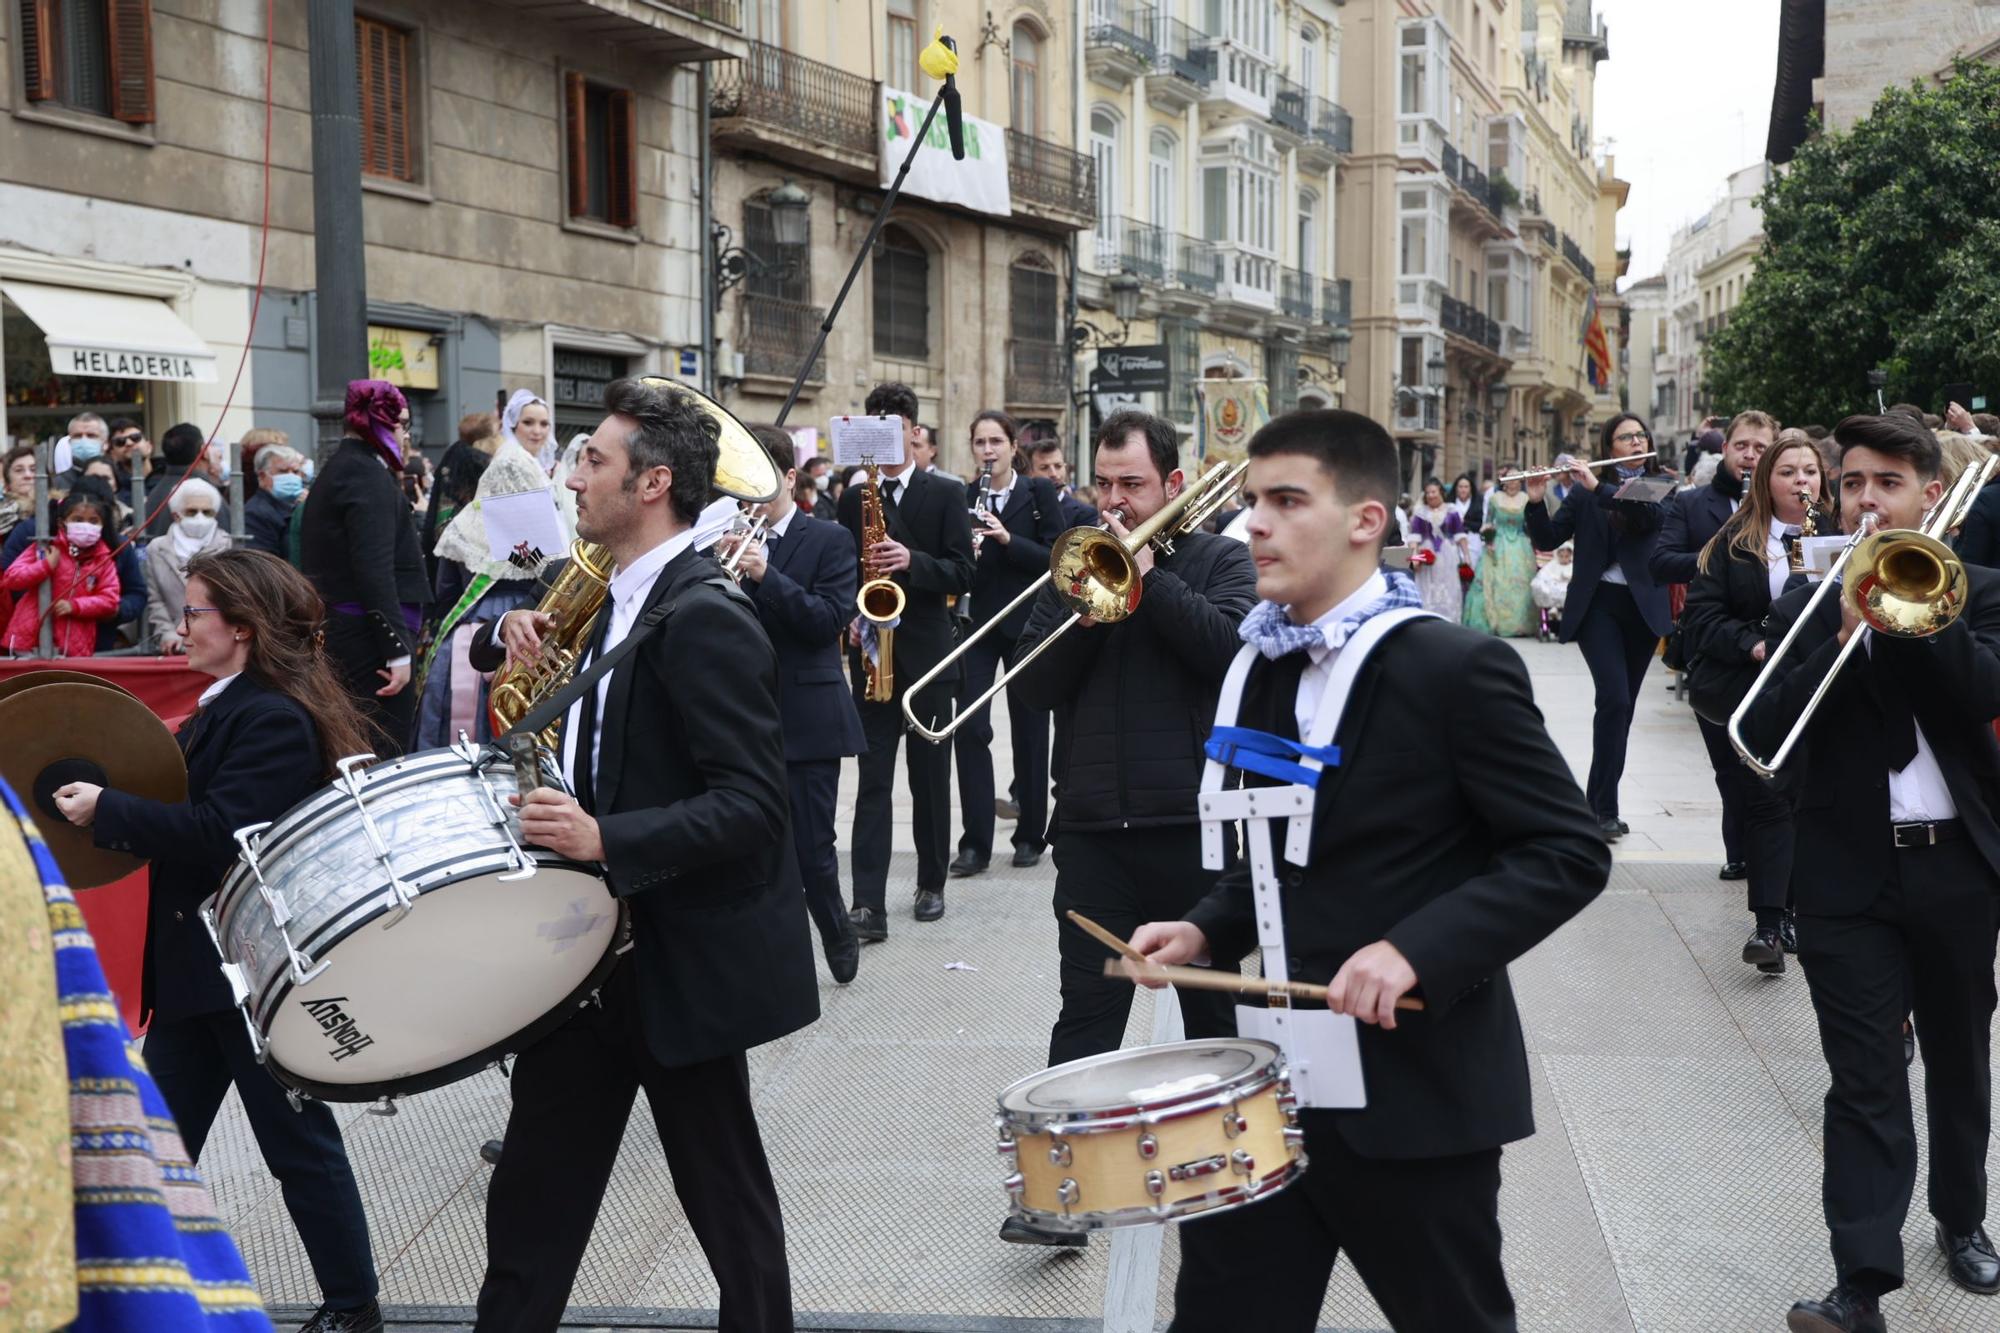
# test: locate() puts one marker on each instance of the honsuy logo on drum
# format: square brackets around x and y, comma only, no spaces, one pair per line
[333,1020]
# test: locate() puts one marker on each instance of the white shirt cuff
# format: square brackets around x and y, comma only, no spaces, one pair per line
[395,662]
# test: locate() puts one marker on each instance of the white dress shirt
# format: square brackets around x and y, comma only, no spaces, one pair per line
[1312,681]
[784,524]
[1775,559]
[630,588]
[1918,794]
[214,692]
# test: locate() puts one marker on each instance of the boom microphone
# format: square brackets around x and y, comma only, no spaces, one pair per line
[954,110]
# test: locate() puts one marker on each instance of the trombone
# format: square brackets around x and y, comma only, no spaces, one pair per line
[1911,586]
[1558,471]
[1094,574]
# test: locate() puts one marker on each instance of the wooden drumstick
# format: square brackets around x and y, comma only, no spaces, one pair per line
[1205,978]
[1107,939]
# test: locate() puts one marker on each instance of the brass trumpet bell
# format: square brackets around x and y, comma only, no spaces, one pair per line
[1909,586]
[1095,575]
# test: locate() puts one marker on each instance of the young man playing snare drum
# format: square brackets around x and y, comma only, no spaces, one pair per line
[1446,839]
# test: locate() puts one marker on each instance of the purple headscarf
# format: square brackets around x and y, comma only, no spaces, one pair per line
[373,408]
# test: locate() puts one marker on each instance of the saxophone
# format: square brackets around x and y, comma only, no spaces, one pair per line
[880,600]
[572,602]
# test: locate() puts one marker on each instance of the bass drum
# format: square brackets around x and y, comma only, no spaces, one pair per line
[392,934]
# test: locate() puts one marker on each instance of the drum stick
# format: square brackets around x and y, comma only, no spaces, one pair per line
[1204,978]
[1107,939]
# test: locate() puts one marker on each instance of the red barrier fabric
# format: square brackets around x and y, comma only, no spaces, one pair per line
[163,684]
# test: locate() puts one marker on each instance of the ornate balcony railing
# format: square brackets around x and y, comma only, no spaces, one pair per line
[773,334]
[1574,254]
[1466,173]
[1332,126]
[1050,175]
[728,13]
[817,102]
[1336,301]
[1456,316]
[1290,106]
[1131,27]
[1038,371]
[1295,293]
[1197,264]
[1182,52]
[1127,245]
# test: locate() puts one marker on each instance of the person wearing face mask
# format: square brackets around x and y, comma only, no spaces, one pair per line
[86,436]
[267,514]
[825,504]
[82,577]
[194,532]
[182,451]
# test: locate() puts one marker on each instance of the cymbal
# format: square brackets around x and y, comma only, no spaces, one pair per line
[28,680]
[67,731]
[742,467]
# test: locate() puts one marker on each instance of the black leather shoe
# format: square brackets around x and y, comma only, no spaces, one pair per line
[1614,828]
[1027,856]
[1734,870]
[968,863]
[489,1152]
[930,905]
[869,927]
[1788,932]
[1971,1260]
[1006,809]
[1026,1233]
[1844,1310]
[1764,950]
[843,953]
[367,1319]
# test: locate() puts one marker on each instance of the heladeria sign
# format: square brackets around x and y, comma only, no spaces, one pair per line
[112,363]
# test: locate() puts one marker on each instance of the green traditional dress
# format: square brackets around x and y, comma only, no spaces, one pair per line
[1505,571]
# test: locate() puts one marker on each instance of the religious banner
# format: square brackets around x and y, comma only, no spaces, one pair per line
[1231,412]
[979,182]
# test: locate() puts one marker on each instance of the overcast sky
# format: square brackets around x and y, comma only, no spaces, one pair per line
[1684,100]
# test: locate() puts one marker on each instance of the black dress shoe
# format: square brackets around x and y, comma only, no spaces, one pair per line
[930,905]
[1764,950]
[843,953]
[1844,1310]
[489,1152]
[968,863]
[1614,828]
[1027,856]
[1734,870]
[870,927]
[1006,809]
[326,1319]
[1022,1232]
[1788,931]
[1971,1260]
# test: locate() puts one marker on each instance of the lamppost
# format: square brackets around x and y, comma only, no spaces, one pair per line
[791,212]
[1124,308]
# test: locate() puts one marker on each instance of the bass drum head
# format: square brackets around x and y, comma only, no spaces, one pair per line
[462,978]
[1145,1076]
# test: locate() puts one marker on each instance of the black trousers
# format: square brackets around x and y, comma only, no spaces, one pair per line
[1617,646]
[930,792]
[357,655]
[573,1092]
[1765,840]
[973,745]
[814,788]
[1423,1233]
[1122,879]
[195,1061]
[1925,947]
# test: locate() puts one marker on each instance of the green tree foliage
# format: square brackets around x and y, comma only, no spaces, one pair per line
[1881,250]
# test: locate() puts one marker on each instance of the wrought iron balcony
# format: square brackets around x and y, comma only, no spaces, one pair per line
[772,335]
[1119,43]
[1183,63]
[652,31]
[1038,371]
[1290,106]
[802,99]
[1336,301]
[1574,254]
[1051,179]
[1531,203]
[1450,160]
[1332,126]
[1127,245]
[1197,264]
[1295,293]
[1457,317]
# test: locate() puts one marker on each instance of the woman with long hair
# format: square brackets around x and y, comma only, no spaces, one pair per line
[265,737]
[1498,600]
[1438,538]
[1739,574]
[1614,611]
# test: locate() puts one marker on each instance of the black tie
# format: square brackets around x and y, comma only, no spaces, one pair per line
[586,722]
[889,489]
[770,547]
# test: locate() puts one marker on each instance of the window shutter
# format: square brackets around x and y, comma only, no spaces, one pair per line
[38,47]
[579,147]
[129,34]
[624,160]
[396,101]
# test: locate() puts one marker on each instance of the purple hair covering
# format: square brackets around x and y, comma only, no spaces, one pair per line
[373,408]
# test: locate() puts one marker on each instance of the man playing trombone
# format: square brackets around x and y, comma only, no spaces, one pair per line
[1897,874]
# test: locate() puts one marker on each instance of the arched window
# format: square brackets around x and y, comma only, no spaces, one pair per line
[1104,136]
[902,296]
[1026,46]
[1309,60]
[1162,197]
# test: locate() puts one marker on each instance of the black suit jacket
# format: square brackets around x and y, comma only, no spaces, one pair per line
[358,543]
[1075,513]
[931,519]
[1586,517]
[1952,680]
[805,600]
[1978,541]
[1034,516]
[692,806]
[252,754]
[1723,618]
[1458,835]
[1688,519]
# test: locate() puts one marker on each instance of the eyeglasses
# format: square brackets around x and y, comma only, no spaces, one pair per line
[127,439]
[1633,438]
[189,614]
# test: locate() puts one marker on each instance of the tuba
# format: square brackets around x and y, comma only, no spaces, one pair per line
[880,600]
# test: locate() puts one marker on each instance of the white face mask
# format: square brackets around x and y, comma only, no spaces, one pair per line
[198,526]
[822,481]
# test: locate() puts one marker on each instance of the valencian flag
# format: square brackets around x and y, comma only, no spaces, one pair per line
[1596,346]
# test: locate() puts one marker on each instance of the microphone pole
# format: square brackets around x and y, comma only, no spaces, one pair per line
[867,244]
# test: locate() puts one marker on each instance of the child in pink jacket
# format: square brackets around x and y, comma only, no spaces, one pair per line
[83,577]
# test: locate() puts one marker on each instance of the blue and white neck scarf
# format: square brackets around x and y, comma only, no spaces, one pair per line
[1272,632]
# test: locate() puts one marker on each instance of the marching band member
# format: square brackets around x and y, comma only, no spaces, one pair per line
[677,762]
[1046,460]
[1408,1185]
[264,738]
[1898,884]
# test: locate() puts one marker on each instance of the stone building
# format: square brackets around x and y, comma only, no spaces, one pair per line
[1709,262]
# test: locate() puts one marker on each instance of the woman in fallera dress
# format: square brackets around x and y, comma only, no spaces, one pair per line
[1437,533]
[1499,601]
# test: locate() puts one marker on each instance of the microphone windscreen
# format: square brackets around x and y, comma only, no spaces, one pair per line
[954,118]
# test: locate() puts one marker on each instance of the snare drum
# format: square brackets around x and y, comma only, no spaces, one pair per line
[1149,1135]
[391,934]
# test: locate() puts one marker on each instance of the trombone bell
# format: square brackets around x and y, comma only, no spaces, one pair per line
[1095,575]
[1910,585]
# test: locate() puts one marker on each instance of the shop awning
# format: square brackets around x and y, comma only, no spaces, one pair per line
[113,336]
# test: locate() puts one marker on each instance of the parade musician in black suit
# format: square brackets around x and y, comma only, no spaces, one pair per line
[802,578]
[1898,884]
[677,763]
[1016,519]
[1045,460]
[264,738]
[1616,612]
[1437,857]
[929,554]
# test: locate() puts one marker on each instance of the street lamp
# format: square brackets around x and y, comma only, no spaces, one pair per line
[1434,372]
[1124,307]
[1343,349]
[791,213]
[1125,297]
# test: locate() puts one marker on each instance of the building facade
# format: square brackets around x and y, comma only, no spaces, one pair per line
[1611,393]
[530,208]
[1645,347]
[1709,262]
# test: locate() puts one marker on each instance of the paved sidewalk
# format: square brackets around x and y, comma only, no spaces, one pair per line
[1673,1186]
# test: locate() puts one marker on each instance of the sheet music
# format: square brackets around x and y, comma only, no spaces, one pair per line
[858,440]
